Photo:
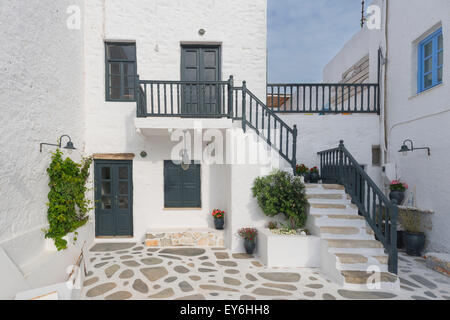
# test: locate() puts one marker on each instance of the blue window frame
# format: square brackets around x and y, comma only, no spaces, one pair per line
[121,70]
[431,61]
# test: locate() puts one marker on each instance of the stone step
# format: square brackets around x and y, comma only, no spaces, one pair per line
[361,277]
[326,221]
[340,230]
[350,243]
[338,201]
[324,186]
[344,233]
[325,196]
[359,262]
[324,208]
[325,191]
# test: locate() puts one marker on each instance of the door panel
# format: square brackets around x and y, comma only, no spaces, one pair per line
[200,64]
[113,195]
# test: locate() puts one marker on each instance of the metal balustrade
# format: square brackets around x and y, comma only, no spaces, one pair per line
[324,98]
[338,165]
[217,99]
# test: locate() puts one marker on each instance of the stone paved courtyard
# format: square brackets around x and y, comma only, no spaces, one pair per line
[132,271]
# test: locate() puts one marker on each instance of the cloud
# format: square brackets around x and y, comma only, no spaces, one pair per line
[304,35]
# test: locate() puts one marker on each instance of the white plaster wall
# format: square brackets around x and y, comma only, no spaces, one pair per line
[41,98]
[158,27]
[423,117]
[318,133]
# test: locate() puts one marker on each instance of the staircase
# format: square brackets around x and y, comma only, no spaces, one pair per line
[350,252]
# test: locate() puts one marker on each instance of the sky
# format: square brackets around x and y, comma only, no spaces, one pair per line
[304,35]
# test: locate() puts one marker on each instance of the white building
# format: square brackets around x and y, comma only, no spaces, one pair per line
[192,58]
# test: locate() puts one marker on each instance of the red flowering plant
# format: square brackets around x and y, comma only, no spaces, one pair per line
[218,214]
[248,233]
[301,169]
[314,170]
[397,185]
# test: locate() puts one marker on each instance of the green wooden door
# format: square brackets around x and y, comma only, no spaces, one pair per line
[114,198]
[200,64]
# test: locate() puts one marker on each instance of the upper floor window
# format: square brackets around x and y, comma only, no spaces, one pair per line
[431,61]
[120,71]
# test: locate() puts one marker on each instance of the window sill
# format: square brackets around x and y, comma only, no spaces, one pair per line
[426,91]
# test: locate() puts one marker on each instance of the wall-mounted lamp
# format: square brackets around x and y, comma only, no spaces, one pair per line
[405,149]
[202,32]
[69,146]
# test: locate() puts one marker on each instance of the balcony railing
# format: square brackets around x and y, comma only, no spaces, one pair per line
[207,99]
[324,98]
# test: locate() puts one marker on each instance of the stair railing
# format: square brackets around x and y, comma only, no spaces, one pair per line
[269,126]
[381,214]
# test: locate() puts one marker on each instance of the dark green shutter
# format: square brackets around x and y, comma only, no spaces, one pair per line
[182,189]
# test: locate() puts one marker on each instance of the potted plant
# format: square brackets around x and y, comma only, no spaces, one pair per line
[397,191]
[302,170]
[413,236]
[218,216]
[249,236]
[282,193]
[314,175]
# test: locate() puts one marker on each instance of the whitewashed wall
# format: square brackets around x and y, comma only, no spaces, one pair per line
[158,27]
[41,98]
[423,117]
[359,131]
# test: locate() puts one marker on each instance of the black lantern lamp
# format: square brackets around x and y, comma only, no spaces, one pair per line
[405,148]
[69,146]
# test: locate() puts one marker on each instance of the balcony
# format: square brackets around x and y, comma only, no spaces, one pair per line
[163,105]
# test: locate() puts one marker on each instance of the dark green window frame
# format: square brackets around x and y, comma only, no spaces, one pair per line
[115,68]
[186,179]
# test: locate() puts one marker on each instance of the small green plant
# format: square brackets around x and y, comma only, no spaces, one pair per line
[301,169]
[281,192]
[272,225]
[248,233]
[68,207]
[218,214]
[314,170]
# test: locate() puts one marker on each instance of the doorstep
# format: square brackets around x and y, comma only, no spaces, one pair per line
[184,238]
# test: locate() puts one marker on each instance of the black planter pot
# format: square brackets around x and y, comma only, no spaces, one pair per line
[414,243]
[218,223]
[249,246]
[306,176]
[397,195]
[314,177]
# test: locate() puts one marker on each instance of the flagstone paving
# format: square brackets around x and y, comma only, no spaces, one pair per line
[133,272]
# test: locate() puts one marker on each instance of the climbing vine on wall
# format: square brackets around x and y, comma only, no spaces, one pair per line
[68,206]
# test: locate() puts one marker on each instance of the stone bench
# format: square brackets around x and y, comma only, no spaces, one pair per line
[185,238]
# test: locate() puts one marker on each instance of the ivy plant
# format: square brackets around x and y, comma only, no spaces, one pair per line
[68,206]
[281,192]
